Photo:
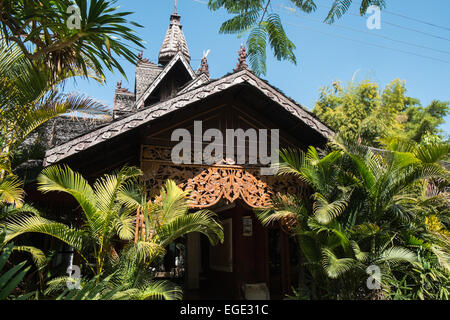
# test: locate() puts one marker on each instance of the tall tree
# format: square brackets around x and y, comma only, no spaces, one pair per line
[361,112]
[65,35]
[264,26]
[28,99]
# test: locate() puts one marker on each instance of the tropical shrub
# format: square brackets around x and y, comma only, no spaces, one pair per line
[109,211]
[363,210]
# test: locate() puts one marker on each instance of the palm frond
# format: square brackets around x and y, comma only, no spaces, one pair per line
[11,278]
[325,211]
[359,255]
[397,255]
[38,256]
[35,224]
[108,187]
[10,211]
[124,224]
[64,179]
[146,250]
[172,203]
[11,191]
[201,221]
[159,290]
[334,267]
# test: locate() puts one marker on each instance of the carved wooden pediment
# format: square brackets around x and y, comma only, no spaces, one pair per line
[210,184]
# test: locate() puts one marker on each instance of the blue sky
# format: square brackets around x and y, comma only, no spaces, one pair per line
[419,54]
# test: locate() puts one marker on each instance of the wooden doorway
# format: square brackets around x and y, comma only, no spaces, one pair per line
[250,254]
[242,258]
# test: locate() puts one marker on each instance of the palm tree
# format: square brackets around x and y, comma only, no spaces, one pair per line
[314,225]
[28,99]
[99,288]
[262,24]
[109,209]
[127,278]
[104,217]
[66,35]
[361,199]
[166,218]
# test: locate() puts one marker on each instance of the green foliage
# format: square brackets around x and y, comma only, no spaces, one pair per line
[368,209]
[109,210]
[360,112]
[167,219]
[340,7]
[9,279]
[29,98]
[40,29]
[11,205]
[263,25]
[127,279]
[422,282]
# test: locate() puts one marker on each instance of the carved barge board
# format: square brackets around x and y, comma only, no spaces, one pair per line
[208,185]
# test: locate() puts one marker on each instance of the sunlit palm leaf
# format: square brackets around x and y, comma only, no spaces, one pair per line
[64,179]
[200,221]
[160,290]
[37,254]
[35,224]
[333,266]
[11,191]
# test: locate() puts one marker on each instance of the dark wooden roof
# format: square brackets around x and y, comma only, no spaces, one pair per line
[182,100]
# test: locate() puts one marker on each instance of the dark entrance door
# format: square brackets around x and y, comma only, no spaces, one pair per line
[241,259]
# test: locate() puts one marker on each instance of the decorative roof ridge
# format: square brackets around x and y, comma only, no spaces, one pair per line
[242,59]
[160,76]
[204,67]
[119,89]
[145,61]
[191,84]
[297,104]
[144,116]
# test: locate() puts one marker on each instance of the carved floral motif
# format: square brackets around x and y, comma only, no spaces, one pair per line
[210,184]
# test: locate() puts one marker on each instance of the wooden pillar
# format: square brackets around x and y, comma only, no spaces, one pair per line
[193,261]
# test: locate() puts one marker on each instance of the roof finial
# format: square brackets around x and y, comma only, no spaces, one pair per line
[242,60]
[204,68]
[175,11]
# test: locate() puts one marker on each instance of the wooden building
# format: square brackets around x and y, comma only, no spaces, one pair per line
[171,95]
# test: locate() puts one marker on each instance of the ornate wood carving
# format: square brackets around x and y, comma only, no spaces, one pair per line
[211,184]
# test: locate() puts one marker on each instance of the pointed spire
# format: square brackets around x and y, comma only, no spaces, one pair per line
[242,60]
[174,40]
